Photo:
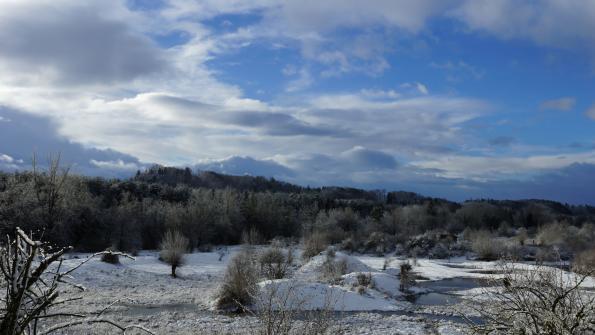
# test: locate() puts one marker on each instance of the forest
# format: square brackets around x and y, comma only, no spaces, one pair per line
[208,208]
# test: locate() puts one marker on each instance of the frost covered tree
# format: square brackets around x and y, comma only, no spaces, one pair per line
[173,248]
[49,188]
[35,284]
[539,300]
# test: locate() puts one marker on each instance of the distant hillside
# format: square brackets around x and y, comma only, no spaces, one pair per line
[184,176]
[173,176]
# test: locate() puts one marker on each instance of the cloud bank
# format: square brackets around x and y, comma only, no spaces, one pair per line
[116,85]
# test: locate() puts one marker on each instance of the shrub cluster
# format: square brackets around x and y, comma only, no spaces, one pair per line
[239,287]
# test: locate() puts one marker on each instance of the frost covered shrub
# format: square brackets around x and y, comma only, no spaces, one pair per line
[274,264]
[349,244]
[584,263]
[314,245]
[364,279]
[110,257]
[504,229]
[239,286]
[535,301]
[405,276]
[522,235]
[173,248]
[547,254]
[565,237]
[333,269]
[486,246]
[439,251]
[377,242]
[36,287]
[514,252]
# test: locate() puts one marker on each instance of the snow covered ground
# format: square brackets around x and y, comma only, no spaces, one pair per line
[152,298]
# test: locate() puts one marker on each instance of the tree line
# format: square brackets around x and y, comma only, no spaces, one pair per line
[208,208]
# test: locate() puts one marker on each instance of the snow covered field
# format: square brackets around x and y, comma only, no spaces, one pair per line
[152,298]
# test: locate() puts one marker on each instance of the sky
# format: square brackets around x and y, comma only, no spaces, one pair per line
[458,99]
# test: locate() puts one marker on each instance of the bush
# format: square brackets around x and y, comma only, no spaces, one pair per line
[547,254]
[110,257]
[207,247]
[522,235]
[439,251]
[377,242]
[273,263]
[333,269]
[504,229]
[349,244]
[486,246]
[514,252]
[239,286]
[565,237]
[252,237]
[364,279]
[584,263]
[405,277]
[532,301]
[173,248]
[314,245]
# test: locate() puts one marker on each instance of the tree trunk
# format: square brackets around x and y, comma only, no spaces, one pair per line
[173,271]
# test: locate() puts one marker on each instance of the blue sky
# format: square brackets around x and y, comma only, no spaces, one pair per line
[452,98]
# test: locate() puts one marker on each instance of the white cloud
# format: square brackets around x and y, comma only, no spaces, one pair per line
[483,168]
[71,43]
[289,70]
[457,71]
[6,159]
[237,165]
[8,162]
[422,88]
[555,23]
[562,104]
[168,106]
[302,82]
[115,165]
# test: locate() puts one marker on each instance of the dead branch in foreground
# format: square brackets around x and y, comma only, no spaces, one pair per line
[34,280]
[536,300]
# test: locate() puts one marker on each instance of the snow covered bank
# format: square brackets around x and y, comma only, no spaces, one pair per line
[299,295]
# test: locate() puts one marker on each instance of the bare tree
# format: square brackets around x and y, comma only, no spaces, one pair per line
[538,300]
[34,280]
[173,248]
[48,187]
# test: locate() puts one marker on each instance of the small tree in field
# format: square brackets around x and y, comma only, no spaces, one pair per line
[173,248]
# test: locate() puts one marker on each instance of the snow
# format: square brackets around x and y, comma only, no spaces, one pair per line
[182,305]
[301,295]
[312,269]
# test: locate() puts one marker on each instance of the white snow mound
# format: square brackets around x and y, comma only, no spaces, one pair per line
[312,269]
[299,295]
